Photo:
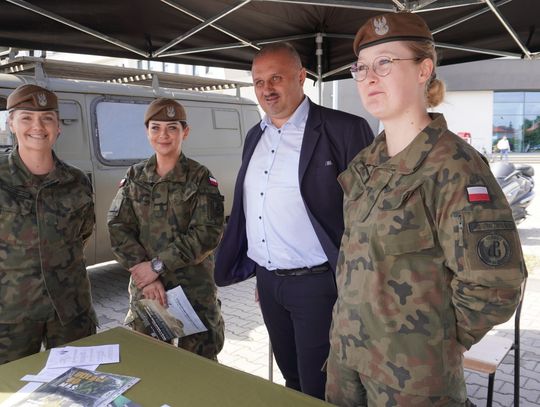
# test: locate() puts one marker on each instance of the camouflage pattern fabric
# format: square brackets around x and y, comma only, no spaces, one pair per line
[178,218]
[44,224]
[427,266]
[348,388]
[25,338]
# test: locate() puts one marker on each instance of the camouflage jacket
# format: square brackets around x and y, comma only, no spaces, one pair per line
[180,219]
[43,227]
[430,261]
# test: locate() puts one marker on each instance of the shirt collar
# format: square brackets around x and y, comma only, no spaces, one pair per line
[298,118]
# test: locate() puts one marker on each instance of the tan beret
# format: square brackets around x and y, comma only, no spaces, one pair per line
[32,97]
[391,27]
[165,110]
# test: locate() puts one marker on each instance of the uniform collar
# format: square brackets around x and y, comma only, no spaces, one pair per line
[21,176]
[178,173]
[408,160]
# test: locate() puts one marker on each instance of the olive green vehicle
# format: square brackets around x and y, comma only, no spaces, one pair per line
[102,129]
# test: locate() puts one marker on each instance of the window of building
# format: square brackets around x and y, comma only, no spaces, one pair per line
[516,115]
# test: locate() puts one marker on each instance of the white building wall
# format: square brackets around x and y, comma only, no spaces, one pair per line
[470,112]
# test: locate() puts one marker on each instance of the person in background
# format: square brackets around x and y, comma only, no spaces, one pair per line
[46,216]
[286,222]
[503,146]
[430,259]
[164,224]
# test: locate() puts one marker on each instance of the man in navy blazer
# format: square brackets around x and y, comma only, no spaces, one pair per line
[286,221]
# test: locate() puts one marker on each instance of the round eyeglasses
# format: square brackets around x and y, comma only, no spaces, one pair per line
[381,65]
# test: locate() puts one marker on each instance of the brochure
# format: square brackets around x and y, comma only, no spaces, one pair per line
[80,387]
[176,321]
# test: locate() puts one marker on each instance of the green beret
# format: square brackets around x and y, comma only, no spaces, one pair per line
[391,27]
[32,97]
[165,110]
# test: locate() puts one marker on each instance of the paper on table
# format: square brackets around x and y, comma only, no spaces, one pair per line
[181,309]
[47,374]
[70,356]
[14,399]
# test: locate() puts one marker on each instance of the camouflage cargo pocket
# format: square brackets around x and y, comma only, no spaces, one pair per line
[403,223]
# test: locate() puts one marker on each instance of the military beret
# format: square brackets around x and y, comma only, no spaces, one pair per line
[32,97]
[391,27]
[166,110]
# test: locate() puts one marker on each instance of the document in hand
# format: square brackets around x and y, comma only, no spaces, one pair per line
[80,387]
[176,321]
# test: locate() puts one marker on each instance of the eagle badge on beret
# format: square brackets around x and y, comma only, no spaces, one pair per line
[170,111]
[380,25]
[42,99]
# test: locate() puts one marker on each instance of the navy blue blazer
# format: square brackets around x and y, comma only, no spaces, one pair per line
[331,140]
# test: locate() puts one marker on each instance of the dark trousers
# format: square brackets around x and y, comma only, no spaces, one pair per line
[297,311]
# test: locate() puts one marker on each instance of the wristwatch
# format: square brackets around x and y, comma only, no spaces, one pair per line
[157,265]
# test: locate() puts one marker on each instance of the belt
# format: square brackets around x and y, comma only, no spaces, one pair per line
[302,271]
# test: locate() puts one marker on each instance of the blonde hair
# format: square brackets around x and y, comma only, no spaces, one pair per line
[435,88]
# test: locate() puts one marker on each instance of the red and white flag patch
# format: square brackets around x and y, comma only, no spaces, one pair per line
[212,181]
[478,194]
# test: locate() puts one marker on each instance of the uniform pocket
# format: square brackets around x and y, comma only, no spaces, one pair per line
[491,247]
[403,223]
[64,220]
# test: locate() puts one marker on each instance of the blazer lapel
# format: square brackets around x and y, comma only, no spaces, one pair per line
[312,133]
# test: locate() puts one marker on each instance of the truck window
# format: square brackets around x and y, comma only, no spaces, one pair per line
[121,132]
[221,132]
[5,135]
[122,137]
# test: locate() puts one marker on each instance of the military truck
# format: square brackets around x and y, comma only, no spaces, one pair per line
[101,112]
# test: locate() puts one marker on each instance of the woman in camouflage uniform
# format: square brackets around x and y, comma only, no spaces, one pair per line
[165,222]
[430,259]
[46,216]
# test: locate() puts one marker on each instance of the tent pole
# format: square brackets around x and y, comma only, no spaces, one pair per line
[319,52]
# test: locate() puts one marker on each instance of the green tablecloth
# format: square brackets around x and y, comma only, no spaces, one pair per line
[169,376]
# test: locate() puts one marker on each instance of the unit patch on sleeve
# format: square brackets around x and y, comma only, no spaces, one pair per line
[494,250]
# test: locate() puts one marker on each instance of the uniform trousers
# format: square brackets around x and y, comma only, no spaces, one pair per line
[297,311]
[25,338]
[348,388]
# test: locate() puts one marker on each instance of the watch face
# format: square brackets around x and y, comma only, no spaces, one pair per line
[157,265]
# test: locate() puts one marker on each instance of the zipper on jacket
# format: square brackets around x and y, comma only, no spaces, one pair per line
[460,230]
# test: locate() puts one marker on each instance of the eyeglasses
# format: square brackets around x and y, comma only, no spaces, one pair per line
[381,66]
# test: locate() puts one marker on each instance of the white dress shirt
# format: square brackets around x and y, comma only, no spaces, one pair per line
[279,232]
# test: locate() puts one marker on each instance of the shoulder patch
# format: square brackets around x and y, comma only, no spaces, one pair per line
[478,193]
[494,250]
[212,181]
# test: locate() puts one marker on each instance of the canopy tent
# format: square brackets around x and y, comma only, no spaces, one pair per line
[227,33]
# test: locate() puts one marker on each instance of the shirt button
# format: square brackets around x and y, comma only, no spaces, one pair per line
[279,131]
[269,262]
[263,240]
[273,151]
[262,193]
[260,217]
[266,172]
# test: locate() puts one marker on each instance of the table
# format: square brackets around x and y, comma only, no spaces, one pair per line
[169,375]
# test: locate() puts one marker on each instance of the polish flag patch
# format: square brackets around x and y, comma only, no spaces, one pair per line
[478,194]
[122,183]
[212,181]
